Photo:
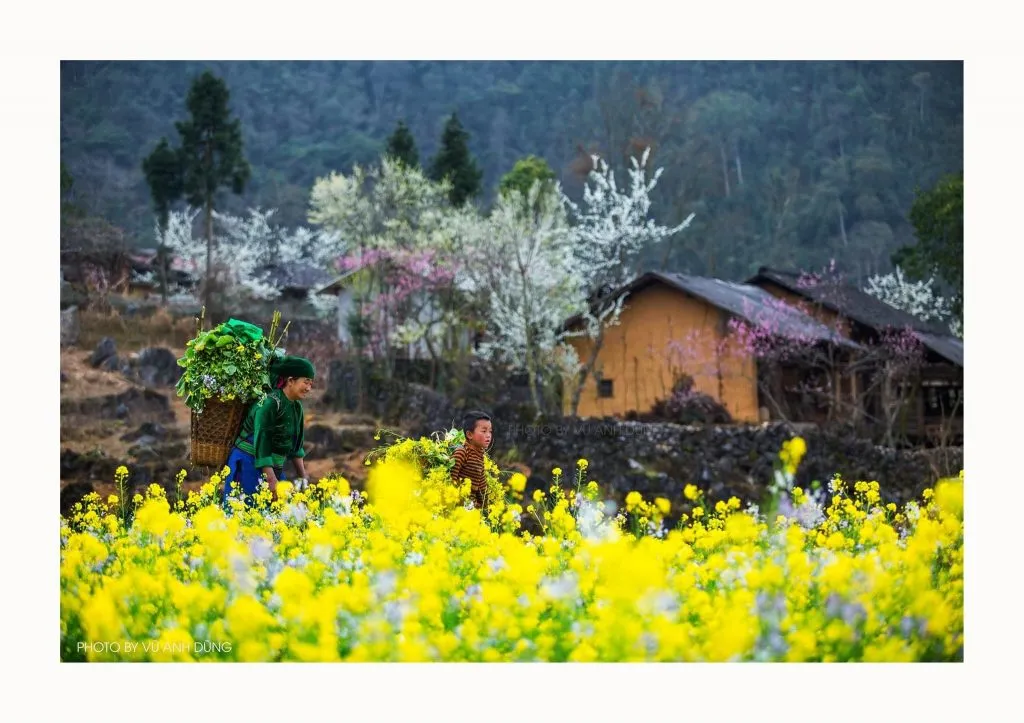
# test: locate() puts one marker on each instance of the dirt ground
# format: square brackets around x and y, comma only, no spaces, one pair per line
[87,434]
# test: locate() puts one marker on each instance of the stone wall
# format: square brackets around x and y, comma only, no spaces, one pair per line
[658,459]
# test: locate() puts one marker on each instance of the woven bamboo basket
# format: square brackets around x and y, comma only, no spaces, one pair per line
[214,432]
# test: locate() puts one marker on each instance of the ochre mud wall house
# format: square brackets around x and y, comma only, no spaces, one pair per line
[931,405]
[674,324]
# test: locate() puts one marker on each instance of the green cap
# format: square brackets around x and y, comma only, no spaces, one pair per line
[292,366]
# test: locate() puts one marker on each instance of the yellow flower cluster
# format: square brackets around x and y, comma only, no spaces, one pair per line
[409,572]
[792,452]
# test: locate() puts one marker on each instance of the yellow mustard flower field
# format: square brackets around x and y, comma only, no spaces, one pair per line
[409,571]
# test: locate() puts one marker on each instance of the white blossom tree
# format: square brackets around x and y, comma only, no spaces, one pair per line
[406,244]
[247,246]
[917,298]
[607,236]
[526,271]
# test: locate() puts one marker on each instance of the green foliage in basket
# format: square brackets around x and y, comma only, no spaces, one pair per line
[227,362]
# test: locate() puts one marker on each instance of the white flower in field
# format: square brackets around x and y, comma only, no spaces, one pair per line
[242,576]
[322,552]
[809,515]
[261,548]
[650,643]
[497,564]
[385,583]
[561,587]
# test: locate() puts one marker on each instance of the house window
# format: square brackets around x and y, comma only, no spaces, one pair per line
[605,389]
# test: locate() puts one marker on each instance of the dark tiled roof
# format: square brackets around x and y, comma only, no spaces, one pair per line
[754,305]
[336,283]
[750,303]
[946,346]
[849,301]
[296,275]
[865,309]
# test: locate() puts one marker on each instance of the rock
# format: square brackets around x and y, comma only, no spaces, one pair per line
[70,327]
[72,493]
[156,367]
[321,435]
[110,364]
[104,350]
[143,453]
[323,441]
[142,404]
[86,467]
[150,430]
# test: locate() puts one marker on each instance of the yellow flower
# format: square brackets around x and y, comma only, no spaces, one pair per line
[517,481]
[633,500]
[582,463]
[949,496]
[698,512]
[690,492]
[663,505]
[557,471]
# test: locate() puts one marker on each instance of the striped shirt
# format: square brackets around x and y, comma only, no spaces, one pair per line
[469,462]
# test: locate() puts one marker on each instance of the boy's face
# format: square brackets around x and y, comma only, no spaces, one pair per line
[481,434]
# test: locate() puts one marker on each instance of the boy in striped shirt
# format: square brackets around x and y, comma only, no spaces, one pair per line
[469,457]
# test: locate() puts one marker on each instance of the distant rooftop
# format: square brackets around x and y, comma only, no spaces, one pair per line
[863,308]
[750,303]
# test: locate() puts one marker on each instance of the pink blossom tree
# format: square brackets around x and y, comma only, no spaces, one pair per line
[406,243]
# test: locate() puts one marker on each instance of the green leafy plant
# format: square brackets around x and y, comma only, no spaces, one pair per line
[228,362]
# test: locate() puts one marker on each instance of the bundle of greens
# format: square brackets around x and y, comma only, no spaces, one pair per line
[229,362]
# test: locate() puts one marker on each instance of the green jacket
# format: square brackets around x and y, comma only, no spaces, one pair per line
[272,431]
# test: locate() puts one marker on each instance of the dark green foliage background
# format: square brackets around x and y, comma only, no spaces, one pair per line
[822,159]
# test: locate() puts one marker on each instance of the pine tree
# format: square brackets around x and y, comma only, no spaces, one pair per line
[211,151]
[402,147]
[454,162]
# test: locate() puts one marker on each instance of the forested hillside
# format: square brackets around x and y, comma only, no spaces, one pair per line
[784,163]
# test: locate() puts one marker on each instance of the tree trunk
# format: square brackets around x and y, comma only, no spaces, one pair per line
[725,169]
[739,166]
[161,260]
[531,370]
[209,250]
[842,227]
[585,372]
